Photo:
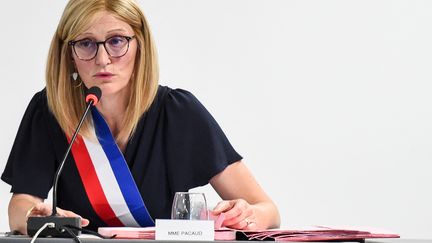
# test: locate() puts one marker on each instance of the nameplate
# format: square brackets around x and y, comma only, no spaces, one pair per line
[187,230]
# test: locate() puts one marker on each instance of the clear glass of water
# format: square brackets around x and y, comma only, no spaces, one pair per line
[189,205]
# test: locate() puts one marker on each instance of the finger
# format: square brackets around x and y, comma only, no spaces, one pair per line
[251,225]
[84,222]
[247,223]
[232,216]
[239,225]
[236,222]
[243,212]
[244,223]
[40,209]
[240,211]
[223,206]
[67,213]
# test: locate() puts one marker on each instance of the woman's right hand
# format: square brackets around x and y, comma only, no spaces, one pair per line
[22,206]
[44,209]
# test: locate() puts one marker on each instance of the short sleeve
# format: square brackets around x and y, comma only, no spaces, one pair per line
[197,148]
[31,163]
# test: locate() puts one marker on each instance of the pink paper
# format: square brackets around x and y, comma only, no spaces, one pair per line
[319,233]
[218,220]
[149,232]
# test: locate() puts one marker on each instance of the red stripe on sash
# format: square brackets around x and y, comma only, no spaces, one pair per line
[92,184]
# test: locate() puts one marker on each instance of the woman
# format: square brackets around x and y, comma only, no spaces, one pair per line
[164,137]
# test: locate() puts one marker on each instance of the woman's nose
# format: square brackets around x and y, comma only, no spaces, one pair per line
[102,57]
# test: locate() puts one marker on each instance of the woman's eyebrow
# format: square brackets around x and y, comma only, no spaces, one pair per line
[110,31]
[115,30]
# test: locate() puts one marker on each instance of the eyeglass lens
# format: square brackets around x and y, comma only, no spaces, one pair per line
[116,46]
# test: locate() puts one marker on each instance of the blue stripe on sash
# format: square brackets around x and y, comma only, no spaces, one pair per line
[121,171]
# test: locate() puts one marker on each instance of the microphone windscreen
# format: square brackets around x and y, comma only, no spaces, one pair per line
[93,94]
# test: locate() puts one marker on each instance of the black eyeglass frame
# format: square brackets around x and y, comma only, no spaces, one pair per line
[98,43]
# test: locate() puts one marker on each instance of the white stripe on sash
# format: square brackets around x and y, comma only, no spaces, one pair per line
[109,183]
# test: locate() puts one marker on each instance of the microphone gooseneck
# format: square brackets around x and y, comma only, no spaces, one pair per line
[56,225]
[93,96]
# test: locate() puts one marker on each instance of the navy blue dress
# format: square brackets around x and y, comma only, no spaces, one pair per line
[177,146]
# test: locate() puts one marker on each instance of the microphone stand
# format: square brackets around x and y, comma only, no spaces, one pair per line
[35,223]
[60,168]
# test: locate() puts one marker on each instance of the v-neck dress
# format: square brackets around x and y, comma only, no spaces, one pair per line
[177,146]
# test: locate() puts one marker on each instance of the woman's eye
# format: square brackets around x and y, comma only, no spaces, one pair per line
[85,43]
[116,41]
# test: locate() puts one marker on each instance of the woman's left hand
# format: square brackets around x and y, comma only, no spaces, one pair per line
[246,205]
[239,214]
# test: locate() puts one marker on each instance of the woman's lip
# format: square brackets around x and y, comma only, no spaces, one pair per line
[103,75]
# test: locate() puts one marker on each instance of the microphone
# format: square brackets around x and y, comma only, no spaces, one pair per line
[35,223]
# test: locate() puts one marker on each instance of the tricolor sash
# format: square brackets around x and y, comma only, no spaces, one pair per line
[107,180]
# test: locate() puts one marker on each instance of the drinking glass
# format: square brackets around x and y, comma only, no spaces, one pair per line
[189,205]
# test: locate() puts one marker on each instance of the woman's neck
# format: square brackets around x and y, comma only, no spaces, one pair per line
[113,109]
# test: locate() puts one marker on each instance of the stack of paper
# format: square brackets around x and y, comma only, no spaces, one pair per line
[148,233]
[318,233]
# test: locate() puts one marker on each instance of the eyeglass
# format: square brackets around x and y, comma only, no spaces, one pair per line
[87,49]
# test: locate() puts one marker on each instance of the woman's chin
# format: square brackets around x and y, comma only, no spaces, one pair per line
[111,90]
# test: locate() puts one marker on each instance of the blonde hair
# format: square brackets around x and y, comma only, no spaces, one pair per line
[66,99]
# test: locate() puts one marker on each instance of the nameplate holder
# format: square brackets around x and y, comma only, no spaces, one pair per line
[185,230]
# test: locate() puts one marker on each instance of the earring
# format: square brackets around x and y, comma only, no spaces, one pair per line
[75,76]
